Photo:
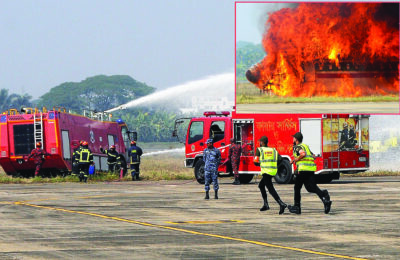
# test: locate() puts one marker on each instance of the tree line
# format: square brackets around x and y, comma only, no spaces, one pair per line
[100,93]
[247,55]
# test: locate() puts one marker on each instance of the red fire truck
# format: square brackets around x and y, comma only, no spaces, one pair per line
[340,141]
[60,133]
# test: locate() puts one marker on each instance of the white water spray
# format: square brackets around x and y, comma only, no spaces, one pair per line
[221,85]
[382,127]
[176,150]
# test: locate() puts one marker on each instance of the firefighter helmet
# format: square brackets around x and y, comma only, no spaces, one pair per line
[112,147]
[133,142]
[38,144]
[81,142]
[84,143]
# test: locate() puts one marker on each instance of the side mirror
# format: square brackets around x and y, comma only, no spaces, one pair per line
[174,133]
[133,136]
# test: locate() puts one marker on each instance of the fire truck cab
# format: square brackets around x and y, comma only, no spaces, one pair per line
[340,142]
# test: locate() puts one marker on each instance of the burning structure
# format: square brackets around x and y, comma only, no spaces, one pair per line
[330,49]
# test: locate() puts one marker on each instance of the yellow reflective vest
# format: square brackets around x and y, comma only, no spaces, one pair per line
[306,163]
[268,160]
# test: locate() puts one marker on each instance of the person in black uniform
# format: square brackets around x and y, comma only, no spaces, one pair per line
[85,159]
[306,167]
[134,154]
[113,157]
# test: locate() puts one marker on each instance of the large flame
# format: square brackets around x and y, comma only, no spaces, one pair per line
[330,49]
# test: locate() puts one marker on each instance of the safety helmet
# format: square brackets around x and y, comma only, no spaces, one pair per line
[133,142]
[38,144]
[84,143]
[81,142]
[298,136]
[112,147]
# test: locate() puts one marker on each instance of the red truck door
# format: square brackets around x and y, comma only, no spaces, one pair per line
[196,139]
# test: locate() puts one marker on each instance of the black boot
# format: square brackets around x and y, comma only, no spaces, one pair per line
[207,197]
[295,209]
[216,195]
[326,195]
[265,206]
[236,182]
[282,207]
[326,199]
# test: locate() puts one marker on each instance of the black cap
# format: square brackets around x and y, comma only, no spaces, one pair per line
[264,139]
[298,136]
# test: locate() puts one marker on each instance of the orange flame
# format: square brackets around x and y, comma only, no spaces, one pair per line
[330,49]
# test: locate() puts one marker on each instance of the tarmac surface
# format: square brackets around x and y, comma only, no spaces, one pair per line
[171,220]
[342,107]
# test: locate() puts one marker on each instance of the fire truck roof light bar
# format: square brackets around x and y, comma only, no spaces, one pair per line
[213,113]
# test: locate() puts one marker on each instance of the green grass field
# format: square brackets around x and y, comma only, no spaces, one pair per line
[247,93]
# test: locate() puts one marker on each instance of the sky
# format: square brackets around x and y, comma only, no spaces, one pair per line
[251,18]
[162,43]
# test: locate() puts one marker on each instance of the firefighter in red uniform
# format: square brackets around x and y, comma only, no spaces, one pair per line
[38,155]
[85,159]
[234,159]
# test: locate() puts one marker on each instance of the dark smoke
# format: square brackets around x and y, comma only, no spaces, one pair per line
[253,77]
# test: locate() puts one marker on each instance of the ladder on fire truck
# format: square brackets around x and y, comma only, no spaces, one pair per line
[335,155]
[38,127]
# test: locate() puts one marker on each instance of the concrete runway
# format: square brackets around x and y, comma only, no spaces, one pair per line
[171,220]
[290,108]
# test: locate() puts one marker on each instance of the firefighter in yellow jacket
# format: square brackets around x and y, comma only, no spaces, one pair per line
[306,167]
[268,158]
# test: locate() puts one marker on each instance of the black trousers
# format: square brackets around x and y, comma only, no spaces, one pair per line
[308,179]
[111,166]
[267,181]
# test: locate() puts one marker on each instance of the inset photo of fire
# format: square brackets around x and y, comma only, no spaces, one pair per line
[317,57]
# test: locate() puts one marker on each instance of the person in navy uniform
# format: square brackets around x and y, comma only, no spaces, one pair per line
[38,155]
[134,154]
[212,159]
[113,157]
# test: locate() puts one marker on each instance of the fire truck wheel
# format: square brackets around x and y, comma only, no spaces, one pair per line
[284,174]
[199,171]
[245,178]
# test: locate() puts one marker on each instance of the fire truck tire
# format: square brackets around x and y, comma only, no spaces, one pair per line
[284,174]
[245,178]
[199,171]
